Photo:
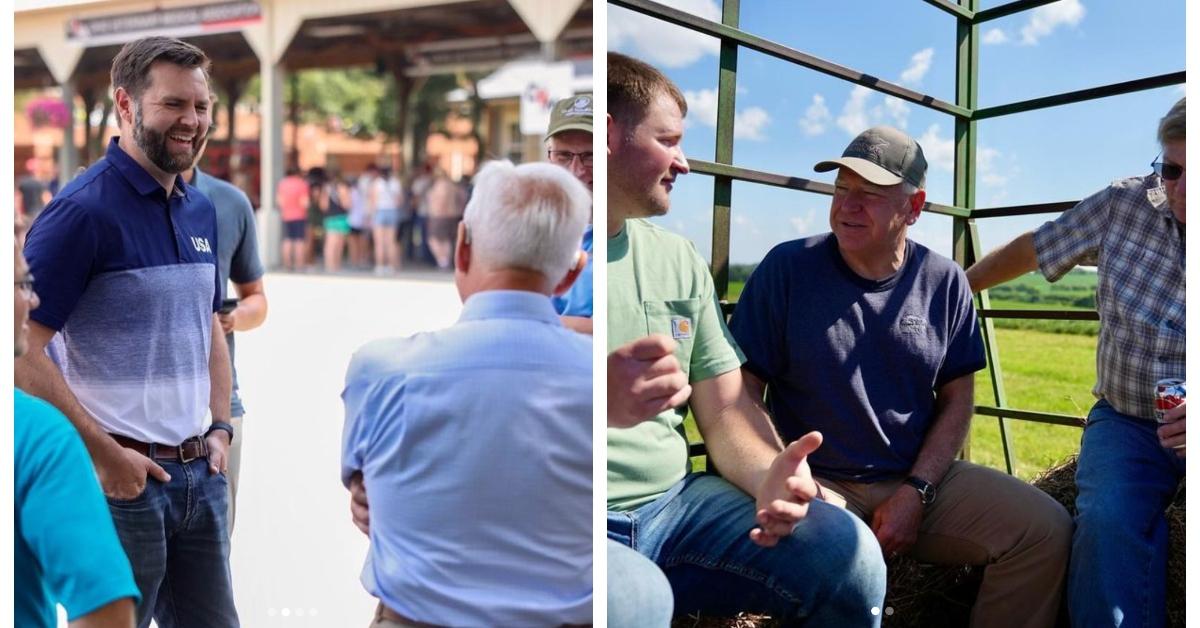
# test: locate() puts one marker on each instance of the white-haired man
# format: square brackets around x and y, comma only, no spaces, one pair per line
[1129,465]
[456,432]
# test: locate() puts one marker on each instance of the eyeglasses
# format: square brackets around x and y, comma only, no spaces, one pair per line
[1167,170]
[25,286]
[565,158]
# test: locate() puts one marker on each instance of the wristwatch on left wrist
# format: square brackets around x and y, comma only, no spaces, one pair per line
[220,425]
[926,490]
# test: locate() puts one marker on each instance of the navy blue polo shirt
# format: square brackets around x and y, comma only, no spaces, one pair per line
[128,277]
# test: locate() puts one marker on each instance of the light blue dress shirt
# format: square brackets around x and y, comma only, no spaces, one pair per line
[475,444]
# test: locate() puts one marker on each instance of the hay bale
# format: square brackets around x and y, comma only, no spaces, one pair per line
[921,595]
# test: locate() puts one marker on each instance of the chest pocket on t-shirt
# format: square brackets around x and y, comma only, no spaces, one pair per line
[676,320]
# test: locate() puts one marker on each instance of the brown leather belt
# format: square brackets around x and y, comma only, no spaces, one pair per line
[191,449]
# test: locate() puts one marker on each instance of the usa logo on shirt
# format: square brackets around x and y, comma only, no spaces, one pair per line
[201,244]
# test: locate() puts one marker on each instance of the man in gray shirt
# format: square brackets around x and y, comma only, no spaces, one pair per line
[237,261]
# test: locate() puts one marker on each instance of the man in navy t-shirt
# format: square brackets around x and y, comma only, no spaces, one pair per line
[126,261]
[872,339]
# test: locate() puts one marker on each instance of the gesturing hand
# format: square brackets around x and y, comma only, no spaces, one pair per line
[897,520]
[644,379]
[783,496]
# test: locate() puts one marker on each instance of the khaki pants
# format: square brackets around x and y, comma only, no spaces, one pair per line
[234,465]
[985,517]
[387,618]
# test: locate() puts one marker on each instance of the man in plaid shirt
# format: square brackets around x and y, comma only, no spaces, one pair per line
[1129,466]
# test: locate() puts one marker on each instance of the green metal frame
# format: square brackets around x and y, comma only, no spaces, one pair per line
[966,112]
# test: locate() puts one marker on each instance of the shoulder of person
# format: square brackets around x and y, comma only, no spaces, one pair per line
[934,265]
[37,423]
[386,356]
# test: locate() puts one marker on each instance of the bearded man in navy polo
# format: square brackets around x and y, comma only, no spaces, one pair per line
[123,342]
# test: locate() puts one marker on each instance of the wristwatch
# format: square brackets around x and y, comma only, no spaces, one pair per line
[927,491]
[220,425]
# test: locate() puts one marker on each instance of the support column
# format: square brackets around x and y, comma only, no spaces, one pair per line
[68,153]
[271,160]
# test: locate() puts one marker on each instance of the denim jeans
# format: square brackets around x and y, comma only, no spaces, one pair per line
[639,595]
[175,535]
[829,572]
[1126,481]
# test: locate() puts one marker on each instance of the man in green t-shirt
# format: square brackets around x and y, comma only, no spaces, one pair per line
[760,535]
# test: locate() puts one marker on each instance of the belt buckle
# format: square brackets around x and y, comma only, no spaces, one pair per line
[187,445]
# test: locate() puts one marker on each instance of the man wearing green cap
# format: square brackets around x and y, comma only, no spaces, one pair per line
[872,339]
[569,144]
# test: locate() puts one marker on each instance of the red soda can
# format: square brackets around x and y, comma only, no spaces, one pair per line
[1168,393]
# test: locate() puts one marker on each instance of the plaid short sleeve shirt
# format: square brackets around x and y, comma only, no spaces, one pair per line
[1129,232]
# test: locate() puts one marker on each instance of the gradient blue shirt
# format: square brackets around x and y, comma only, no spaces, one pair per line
[66,547]
[128,277]
[475,444]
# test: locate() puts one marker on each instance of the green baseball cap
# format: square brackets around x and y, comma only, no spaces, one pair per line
[571,114]
[883,156]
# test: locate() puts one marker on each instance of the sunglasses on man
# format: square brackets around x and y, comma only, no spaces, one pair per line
[1167,170]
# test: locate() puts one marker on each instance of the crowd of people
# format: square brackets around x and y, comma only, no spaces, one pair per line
[373,221]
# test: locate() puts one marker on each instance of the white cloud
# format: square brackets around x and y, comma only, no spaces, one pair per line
[898,109]
[1045,19]
[859,114]
[854,118]
[702,109]
[918,66]
[995,36]
[660,43]
[702,106]
[985,159]
[749,124]
[815,117]
[803,224]
[939,151]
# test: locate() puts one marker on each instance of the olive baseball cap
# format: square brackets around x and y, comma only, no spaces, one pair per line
[571,114]
[883,156]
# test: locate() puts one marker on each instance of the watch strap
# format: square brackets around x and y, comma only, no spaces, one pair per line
[926,489]
[223,426]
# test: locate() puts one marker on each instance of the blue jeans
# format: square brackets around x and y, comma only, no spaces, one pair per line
[639,595]
[175,535]
[1126,481]
[829,572]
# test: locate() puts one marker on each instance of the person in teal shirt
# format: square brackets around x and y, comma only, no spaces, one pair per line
[66,550]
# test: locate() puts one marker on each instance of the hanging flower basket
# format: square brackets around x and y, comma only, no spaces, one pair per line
[48,112]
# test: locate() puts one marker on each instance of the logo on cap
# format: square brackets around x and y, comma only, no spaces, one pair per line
[582,106]
[864,146]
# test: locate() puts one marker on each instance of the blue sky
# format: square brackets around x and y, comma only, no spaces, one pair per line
[788,117]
